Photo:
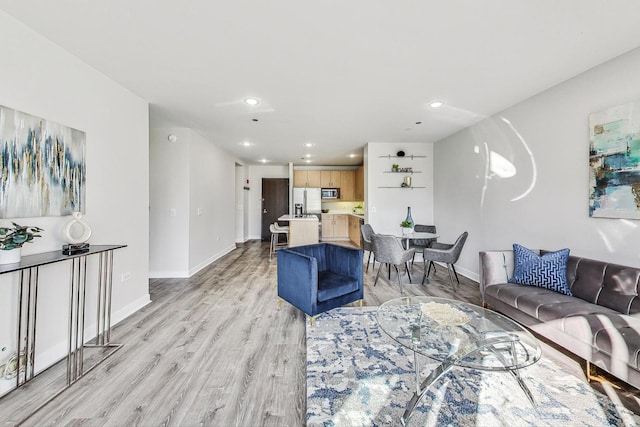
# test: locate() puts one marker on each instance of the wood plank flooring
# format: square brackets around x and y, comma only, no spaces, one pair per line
[214,349]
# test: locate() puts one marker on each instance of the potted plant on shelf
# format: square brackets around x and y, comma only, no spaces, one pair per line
[394,167]
[407,227]
[12,239]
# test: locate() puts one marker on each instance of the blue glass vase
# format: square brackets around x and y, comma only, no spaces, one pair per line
[408,218]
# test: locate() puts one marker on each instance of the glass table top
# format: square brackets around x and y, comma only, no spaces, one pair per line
[458,333]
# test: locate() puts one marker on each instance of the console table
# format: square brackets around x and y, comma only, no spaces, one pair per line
[28,270]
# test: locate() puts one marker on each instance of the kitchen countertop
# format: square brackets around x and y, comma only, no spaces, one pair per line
[298,218]
[343,212]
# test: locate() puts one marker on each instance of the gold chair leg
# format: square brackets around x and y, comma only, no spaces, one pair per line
[361,302]
[312,320]
[484,304]
[593,375]
[279,303]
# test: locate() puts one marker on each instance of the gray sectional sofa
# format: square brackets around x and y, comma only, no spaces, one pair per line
[600,322]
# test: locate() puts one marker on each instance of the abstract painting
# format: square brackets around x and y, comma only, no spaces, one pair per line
[42,167]
[614,162]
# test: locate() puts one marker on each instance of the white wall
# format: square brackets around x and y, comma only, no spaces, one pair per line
[256,173]
[387,207]
[39,78]
[212,202]
[545,205]
[195,179]
[169,214]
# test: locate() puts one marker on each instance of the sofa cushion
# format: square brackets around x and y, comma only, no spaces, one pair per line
[547,271]
[332,285]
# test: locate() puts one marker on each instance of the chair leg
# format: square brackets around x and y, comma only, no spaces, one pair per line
[406,266]
[451,278]
[454,272]
[427,270]
[380,268]
[271,247]
[399,280]
[368,260]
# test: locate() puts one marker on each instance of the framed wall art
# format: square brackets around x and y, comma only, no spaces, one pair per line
[42,167]
[614,162]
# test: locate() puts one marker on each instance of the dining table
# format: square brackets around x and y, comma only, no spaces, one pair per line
[415,235]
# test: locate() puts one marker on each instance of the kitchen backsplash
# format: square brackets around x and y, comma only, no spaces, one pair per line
[341,206]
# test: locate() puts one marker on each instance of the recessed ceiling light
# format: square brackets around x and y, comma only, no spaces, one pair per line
[308,160]
[307,155]
[436,104]
[308,144]
[247,144]
[352,155]
[264,160]
[251,101]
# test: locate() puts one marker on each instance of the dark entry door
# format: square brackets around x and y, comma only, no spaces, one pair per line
[275,202]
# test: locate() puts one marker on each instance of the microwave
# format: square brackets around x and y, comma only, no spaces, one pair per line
[330,193]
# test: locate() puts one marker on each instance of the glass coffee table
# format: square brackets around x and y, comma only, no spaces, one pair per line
[456,333]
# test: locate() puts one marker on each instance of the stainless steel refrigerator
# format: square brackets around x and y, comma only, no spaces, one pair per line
[309,198]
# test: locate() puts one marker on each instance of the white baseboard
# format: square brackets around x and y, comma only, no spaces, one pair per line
[463,272]
[183,274]
[175,274]
[205,263]
[58,351]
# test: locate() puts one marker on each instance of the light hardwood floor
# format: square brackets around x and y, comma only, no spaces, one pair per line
[214,349]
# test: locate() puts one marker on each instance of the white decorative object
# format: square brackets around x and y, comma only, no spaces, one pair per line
[406,230]
[444,314]
[86,230]
[11,256]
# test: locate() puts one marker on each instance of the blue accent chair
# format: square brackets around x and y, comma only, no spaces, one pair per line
[319,277]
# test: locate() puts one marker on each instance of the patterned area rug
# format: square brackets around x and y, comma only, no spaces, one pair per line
[358,376]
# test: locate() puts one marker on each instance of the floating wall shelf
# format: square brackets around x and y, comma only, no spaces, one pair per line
[408,188]
[389,156]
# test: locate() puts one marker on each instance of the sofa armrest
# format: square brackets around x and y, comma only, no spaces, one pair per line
[298,279]
[495,267]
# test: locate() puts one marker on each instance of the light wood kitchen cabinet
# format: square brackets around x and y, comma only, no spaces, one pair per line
[303,178]
[335,227]
[359,190]
[354,230]
[347,185]
[330,179]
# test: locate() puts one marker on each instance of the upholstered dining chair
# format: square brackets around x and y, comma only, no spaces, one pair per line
[366,231]
[388,250]
[421,244]
[445,253]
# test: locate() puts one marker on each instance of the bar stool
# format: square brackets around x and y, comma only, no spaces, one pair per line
[276,231]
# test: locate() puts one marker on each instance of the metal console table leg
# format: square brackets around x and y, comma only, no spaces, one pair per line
[27,312]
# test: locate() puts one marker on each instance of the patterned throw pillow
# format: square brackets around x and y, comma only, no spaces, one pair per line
[548,271]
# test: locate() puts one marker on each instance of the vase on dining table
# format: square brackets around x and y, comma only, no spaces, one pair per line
[408,219]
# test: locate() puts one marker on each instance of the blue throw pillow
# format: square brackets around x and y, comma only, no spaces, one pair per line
[548,271]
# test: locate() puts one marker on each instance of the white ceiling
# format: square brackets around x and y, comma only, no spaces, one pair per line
[336,73]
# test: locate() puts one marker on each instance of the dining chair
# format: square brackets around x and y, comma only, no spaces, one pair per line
[366,231]
[421,244]
[445,253]
[388,250]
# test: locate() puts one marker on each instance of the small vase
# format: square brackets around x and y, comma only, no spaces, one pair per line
[11,256]
[408,218]
[406,230]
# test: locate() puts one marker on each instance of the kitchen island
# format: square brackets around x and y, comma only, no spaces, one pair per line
[302,230]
